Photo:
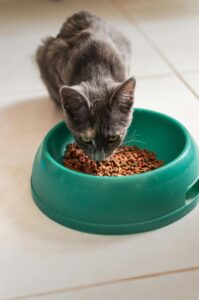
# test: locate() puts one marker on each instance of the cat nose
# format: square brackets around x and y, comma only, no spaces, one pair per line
[99,155]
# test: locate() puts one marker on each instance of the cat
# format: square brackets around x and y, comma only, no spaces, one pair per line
[85,69]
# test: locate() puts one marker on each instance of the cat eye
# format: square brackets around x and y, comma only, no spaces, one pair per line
[86,139]
[113,138]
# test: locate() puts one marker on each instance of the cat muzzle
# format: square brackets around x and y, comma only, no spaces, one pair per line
[99,155]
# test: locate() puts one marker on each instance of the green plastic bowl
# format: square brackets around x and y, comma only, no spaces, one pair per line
[126,204]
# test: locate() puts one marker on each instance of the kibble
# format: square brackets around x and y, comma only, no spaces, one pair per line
[127,160]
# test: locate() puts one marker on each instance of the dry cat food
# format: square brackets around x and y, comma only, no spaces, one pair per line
[126,160]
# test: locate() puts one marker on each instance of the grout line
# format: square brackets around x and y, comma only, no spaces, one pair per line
[145,276]
[114,281]
[155,47]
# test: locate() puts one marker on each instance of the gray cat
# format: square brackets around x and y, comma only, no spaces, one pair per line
[85,70]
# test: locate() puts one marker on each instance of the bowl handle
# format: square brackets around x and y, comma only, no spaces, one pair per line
[192,191]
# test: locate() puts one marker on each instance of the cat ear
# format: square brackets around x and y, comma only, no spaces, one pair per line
[123,96]
[75,105]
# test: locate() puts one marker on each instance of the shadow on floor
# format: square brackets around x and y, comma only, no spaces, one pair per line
[22,128]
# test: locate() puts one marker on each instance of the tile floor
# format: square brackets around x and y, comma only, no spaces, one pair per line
[40,259]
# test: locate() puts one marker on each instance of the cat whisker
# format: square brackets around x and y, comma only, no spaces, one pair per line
[133,140]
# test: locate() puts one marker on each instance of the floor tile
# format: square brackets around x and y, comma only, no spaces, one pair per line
[169,95]
[193,80]
[172,28]
[29,22]
[19,76]
[173,287]
[132,4]
[40,255]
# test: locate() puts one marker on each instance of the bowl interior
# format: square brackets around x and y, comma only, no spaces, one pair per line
[151,130]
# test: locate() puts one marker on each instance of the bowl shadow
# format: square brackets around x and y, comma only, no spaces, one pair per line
[22,127]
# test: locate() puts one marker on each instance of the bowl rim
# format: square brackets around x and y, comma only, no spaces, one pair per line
[133,176]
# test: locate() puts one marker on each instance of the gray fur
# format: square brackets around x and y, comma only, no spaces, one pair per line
[85,69]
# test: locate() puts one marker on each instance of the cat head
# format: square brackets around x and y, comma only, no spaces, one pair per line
[98,117]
